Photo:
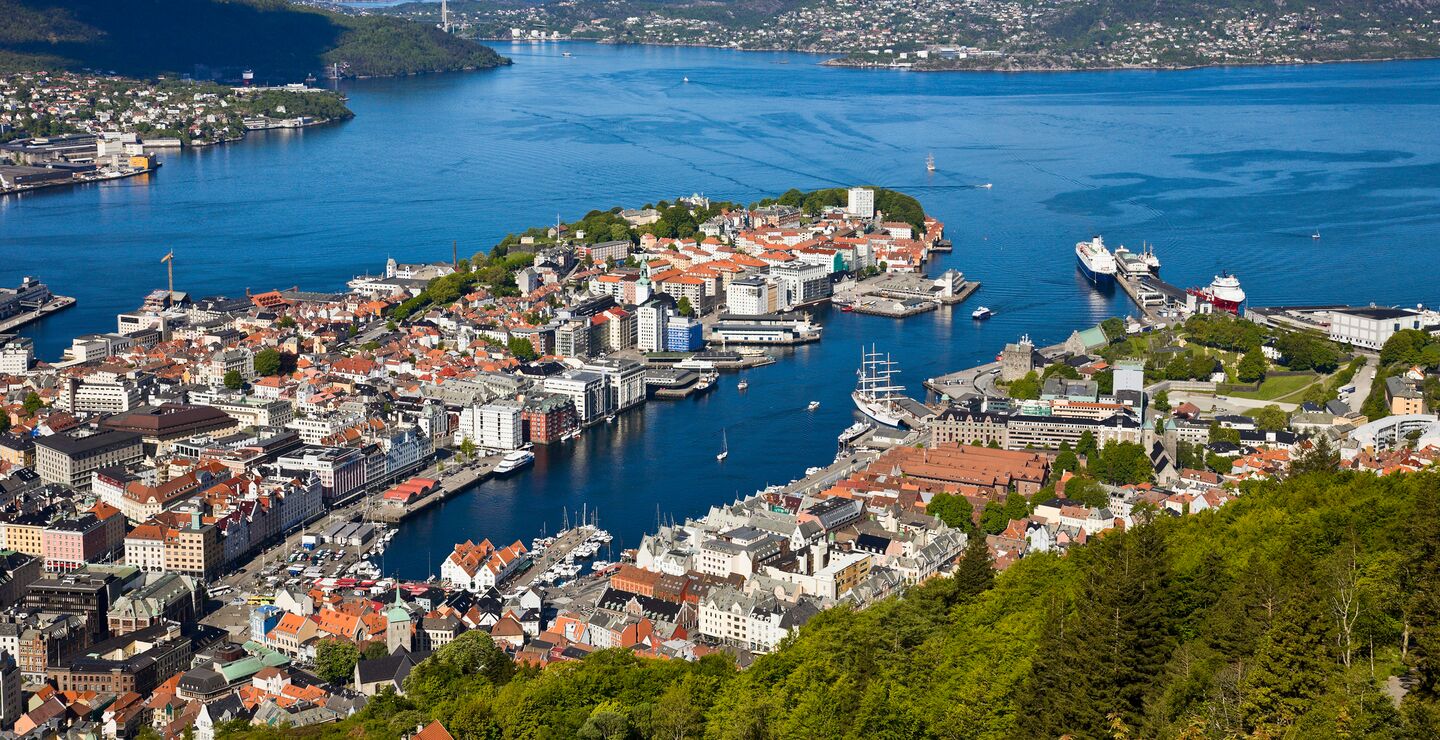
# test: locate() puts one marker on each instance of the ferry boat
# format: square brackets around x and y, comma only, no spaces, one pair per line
[981,313]
[876,393]
[1223,294]
[513,461]
[853,432]
[1096,262]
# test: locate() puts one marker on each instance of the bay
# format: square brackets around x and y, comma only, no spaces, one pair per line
[1221,169]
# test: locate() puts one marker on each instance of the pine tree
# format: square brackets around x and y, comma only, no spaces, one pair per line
[1423,583]
[975,573]
[1292,666]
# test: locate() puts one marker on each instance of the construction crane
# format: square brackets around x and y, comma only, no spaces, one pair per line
[169,260]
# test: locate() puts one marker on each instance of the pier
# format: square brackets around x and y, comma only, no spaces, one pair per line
[451,484]
[54,305]
[902,295]
[1150,293]
[555,553]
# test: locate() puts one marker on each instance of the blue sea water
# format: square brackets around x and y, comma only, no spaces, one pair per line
[1219,169]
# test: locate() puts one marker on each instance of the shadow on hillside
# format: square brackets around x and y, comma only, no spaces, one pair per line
[149,37]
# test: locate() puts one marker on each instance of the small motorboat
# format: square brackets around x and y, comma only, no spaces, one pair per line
[813,405]
[981,313]
[742,385]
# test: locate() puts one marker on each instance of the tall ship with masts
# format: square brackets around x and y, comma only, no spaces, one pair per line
[877,395]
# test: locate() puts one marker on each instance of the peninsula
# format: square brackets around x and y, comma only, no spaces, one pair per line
[217,40]
[1210,520]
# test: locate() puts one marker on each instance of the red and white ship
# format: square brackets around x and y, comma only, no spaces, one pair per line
[1223,293]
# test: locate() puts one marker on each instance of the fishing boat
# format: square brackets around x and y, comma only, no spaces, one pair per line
[724,447]
[981,313]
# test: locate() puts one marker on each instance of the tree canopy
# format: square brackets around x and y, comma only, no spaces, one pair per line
[1261,618]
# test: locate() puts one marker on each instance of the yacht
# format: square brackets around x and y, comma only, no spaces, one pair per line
[853,432]
[513,461]
[981,313]
[724,447]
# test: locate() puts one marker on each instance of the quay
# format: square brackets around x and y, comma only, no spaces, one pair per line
[54,305]
[1150,293]
[451,484]
[903,295]
[894,309]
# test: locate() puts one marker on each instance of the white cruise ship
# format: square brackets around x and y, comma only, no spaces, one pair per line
[1096,261]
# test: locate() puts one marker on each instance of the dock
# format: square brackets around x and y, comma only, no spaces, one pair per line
[54,305]
[555,553]
[894,309]
[461,480]
[1150,293]
[904,295]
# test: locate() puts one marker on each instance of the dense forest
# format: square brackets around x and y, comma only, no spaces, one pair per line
[280,42]
[1284,614]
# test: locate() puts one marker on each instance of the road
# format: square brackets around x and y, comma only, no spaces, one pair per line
[1363,381]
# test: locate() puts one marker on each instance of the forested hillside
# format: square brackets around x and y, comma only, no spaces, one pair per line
[280,42]
[1282,615]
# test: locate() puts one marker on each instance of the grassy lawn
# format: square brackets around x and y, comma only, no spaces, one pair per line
[1274,387]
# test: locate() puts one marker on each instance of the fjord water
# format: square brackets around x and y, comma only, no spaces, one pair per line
[1220,169]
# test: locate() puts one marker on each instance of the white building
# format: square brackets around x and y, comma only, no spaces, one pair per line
[861,203]
[493,426]
[16,354]
[801,284]
[585,389]
[624,382]
[751,296]
[99,392]
[651,320]
[1371,327]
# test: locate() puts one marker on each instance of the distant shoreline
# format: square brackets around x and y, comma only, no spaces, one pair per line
[843,62]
